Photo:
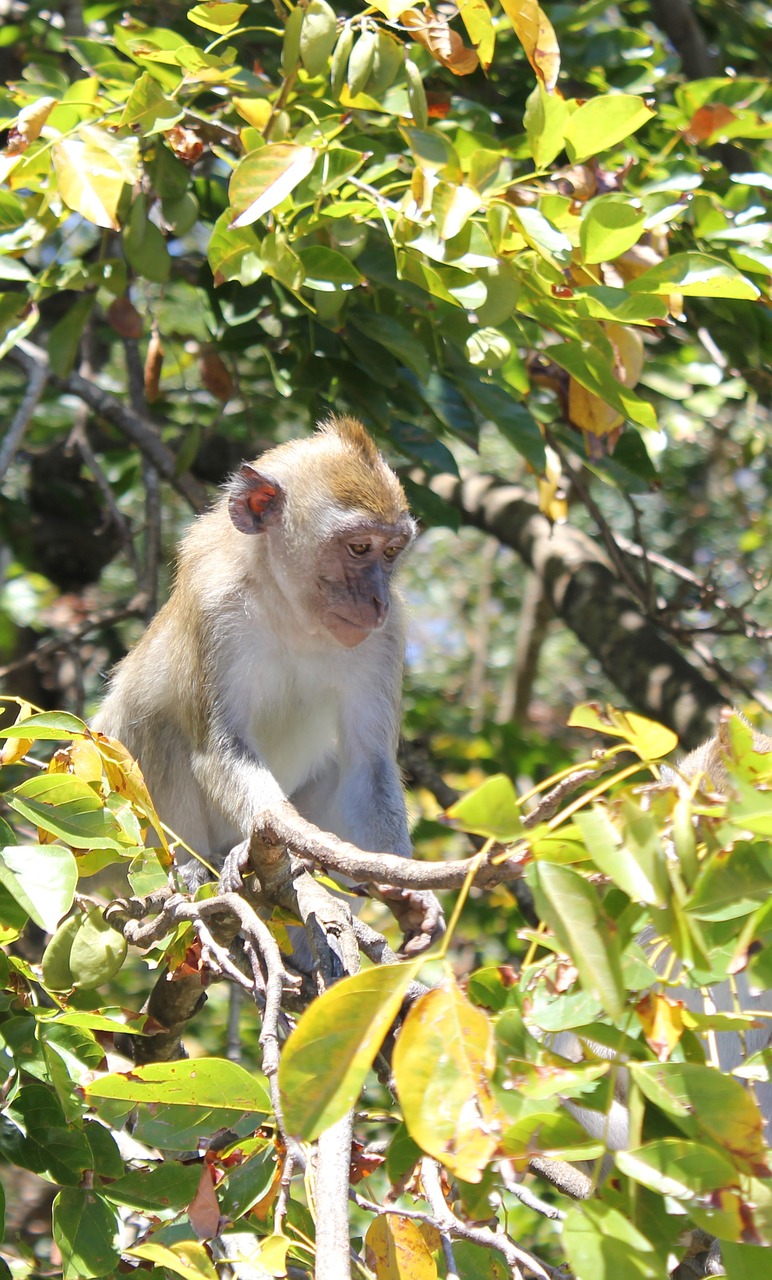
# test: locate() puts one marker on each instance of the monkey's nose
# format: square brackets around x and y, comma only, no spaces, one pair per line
[380,608]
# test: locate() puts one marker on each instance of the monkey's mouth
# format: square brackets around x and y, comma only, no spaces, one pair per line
[349,631]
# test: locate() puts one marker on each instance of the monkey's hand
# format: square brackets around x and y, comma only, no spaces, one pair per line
[236,862]
[418,914]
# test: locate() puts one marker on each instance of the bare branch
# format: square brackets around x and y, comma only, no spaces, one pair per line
[134,426]
[37,370]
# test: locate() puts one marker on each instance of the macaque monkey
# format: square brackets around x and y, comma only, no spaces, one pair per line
[274,672]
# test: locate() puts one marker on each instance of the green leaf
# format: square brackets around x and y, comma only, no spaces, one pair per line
[64,339]
[266,177]
[679,1168]
[48,725]
[734,883]
[572,909]
[328,1055]
[603,122]
[70,809]
[638,867]
[400,341]
[92,168]
[202,1082]
[168,1186]
[39,1138]
[234,255]
[589,368]
[545,121]
[148,107]
[490,810]
[703,1101]
[145,245]
[327,269]
[610,226]
[42,879]
[601,1244]
[219,16]
[97,953]
[696,275]
[87,1233]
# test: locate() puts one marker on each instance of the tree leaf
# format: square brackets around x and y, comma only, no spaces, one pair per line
[266,177]
[572,909]
[328,1055]
[545,121]
[704,1101]
[87,1233]
[601,1244]
[70,809]
[396,1249]
[649,739]
[49,725]
[697,275]
[431,30]
[97,953]
[537,36]
[42,879]
[603,122]
[490,810]
[150,108]
[92,168]
[220,16]
[588,367]
[443,1060]
[476,17]
[610,226]
[187,1258]
[318,35]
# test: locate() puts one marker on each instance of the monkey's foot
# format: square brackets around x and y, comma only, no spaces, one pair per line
[418,914]
[233,868]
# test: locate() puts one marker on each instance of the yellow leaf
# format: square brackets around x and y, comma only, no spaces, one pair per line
[476,17]
[125,777]
[652,741]
[188,1259]
[396,1250]
[662,1022]
[443,1060]
[256,111]
[91,169]
[537,36]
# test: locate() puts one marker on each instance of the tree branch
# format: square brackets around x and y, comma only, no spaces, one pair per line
[585,592]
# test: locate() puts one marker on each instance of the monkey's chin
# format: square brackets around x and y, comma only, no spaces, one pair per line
[349,634]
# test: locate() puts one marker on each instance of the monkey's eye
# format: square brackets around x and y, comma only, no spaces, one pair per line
[359,548]
[391,553]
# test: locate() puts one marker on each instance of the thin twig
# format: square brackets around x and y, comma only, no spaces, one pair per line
[37,370]
[55,643]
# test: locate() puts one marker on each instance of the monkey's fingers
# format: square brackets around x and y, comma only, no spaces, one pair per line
[233,868]
[418,914]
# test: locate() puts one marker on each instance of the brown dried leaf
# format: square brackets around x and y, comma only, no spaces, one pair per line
[662,1023]
[153,365]
[707,121]
[185,143]
[124,318]
[204,1210]
[445,45]
[215,376]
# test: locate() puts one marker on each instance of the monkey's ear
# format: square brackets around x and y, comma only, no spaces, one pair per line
[256,500]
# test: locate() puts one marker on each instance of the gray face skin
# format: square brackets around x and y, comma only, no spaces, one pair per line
[353,578]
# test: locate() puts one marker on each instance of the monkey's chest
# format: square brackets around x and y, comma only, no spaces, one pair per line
[299,736]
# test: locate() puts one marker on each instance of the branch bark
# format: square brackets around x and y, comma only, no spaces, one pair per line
[585,592]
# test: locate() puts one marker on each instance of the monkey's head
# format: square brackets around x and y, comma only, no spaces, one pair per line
[335,521]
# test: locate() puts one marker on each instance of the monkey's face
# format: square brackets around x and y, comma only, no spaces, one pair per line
[353,579]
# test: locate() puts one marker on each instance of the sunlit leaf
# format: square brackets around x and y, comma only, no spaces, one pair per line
[603,122]
[610,226]
[651,740]
[601,1244]
[443,1060]
[396,1249]
[42,879]
[696,275]
[86,1231]
[432,31]
[266,177]
[188,1258]
[537,36]
[217,15]
[490,810]
[476,17]
[92,168]
[328,1055]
